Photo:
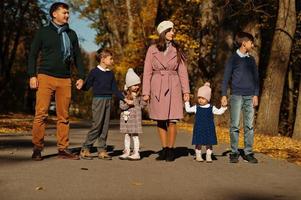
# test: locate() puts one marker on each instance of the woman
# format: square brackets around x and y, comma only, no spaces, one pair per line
[165,80]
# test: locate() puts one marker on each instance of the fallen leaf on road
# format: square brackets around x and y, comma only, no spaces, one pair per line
[39,188]
[137,183]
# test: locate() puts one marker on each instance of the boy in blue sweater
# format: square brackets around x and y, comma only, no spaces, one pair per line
[103,83]
[241,69]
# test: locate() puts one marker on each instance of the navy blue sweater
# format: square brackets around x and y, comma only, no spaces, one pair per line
[243,74]
[103,84]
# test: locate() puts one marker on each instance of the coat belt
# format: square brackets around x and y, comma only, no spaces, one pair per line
[165,82]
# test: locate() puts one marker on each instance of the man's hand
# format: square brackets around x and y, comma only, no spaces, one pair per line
[33,83]
[186,97]
[79,84]
[255,101]
[146,98]
[224,101]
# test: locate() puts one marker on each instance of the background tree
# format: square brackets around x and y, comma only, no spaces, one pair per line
[271,97]
[19,20]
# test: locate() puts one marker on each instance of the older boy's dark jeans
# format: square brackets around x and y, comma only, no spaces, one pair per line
[244,104]
[101,109]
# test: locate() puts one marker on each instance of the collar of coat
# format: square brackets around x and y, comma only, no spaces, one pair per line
[164,59]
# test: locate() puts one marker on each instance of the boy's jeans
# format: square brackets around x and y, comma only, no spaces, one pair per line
[244,103]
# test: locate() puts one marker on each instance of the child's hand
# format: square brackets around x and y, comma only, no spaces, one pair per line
[224,101]
[129,102]
[145,97]
[79,84]
[255,101]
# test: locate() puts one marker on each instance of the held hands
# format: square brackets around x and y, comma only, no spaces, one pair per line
[224,101]
[186,97]
[255,101]
[146,98]
[129,102]
[79,84]
[33,83]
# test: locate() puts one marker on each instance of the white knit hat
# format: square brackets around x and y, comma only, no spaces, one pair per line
[164,26]
[205,91]
[131,78]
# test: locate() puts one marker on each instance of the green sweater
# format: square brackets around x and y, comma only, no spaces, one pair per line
[47,41]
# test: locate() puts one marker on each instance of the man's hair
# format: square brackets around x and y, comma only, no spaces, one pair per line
[243,37]
[56,6]
[102,53]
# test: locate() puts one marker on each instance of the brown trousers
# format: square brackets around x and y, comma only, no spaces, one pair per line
[61,87]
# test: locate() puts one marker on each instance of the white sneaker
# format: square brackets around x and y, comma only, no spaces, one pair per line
[198,155]
[125,155]
[208,156]
[134,156]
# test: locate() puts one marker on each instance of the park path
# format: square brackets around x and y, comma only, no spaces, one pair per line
[21,178]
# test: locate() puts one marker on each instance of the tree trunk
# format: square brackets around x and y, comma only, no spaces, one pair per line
[130,21]
[297,127]
[269,108]
[290,99]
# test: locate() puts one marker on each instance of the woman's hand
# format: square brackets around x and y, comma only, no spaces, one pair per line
[145,97]
[186,97]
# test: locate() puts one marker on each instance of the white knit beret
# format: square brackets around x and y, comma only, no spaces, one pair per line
[164,26]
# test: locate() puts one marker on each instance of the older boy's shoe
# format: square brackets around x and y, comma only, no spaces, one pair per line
[104,155]
[162,154]
[67,154]
[85,154]
[36,155]
[234,157]
[251,159]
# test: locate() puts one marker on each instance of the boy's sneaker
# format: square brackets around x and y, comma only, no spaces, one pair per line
[85,154]
[36,155]
[234,158]
[134,156]
[125,155]
[251,159]
[104,155]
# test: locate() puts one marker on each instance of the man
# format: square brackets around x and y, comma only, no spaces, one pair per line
[59,48]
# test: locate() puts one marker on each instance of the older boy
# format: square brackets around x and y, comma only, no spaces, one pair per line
[103,83]
[241,69]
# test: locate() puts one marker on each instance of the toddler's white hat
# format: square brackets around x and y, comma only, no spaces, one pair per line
[205,91]
[131,78]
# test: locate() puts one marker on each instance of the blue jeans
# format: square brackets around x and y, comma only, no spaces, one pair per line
[244,104]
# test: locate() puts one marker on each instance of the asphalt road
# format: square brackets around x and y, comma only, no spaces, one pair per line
[53,178]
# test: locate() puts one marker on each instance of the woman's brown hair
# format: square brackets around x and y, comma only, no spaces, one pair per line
[161,45]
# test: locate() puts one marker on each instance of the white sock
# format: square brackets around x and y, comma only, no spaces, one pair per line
[136,144]
[127,142]
[209,151]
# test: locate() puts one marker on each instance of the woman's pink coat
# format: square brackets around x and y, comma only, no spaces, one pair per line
[165,81]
